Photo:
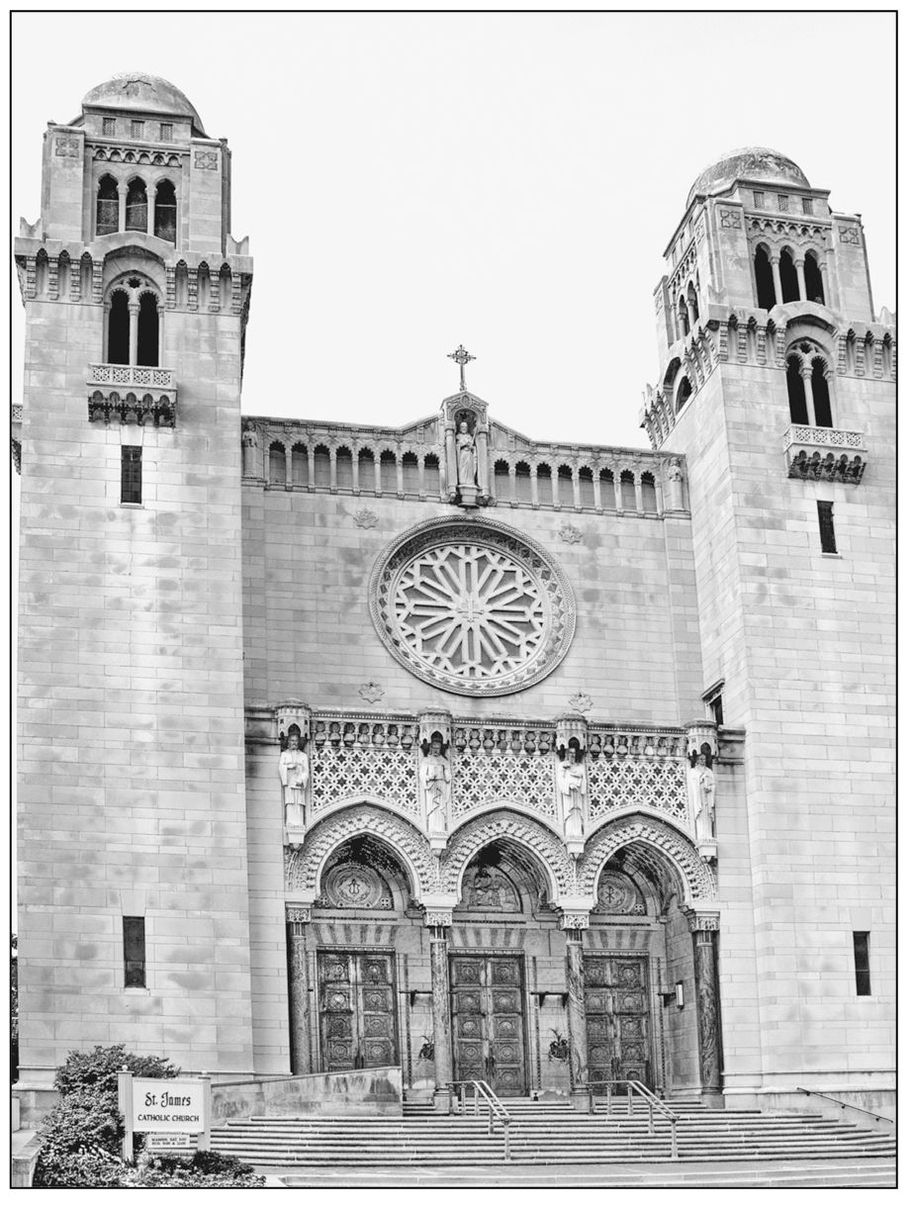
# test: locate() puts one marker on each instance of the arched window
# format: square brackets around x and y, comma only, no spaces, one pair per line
[798,412]
[587,492]
[344,475]
[299,466]
[607,487]
[544,483]
[502,481]
[42,273]
[683,394]
[137,205]
[887,356]
[63,274]
[683,325]
[648,492]
[166,211]
[180,284]
[118,329]
[692,301]
[366,469]
[203,286]
[432,474]
[147,341]
[225,288]
[388,471]
[821,396]
[321,466]
[106,216]
[628,494]
[764,280]
[85,277]
[277,462]
[523,481]
[410,473]
[565,486]
[789,279]
[814,283]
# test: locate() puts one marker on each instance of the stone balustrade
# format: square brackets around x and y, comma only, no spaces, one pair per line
[132,394]
[829,454]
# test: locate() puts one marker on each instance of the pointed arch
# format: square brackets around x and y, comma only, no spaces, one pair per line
[641,831]
[304,868]
[513,827]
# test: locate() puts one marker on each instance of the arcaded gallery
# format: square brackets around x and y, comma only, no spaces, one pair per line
[432,747]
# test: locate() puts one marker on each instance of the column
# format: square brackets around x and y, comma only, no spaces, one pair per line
[104,333]
[310,464]
[704,931]
[572,924]
[160,311]
[597,489]
[616,483]
[512,480]
[296,921]
[692,311]
[482,460]
[575,478]
[289,482]
[450,461]
[399,473]
[133,308]
[438,923]
[122,206]
[778,287]
[800,278]
[332,467]
[638,492]
[806,372]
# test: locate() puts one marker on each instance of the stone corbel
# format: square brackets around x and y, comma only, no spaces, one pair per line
[293,713]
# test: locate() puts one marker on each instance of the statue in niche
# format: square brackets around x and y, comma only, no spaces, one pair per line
[702,785]
[674,477]
[572,791]
[294,773]
[250,445]
[434,779]
[467,456]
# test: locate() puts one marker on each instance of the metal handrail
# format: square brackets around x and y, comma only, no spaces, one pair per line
[845,1104]
[496,1110]
[653,1102]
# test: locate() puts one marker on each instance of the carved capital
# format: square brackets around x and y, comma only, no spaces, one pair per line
[703,921]
[438,917]
[297,913]
[573,920]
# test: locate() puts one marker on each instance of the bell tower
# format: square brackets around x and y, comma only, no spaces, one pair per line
[778,384]
[132,842]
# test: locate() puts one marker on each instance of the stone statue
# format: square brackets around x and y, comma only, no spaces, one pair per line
[294,772]
[572,790]
[703,800]
[434,779]
[674,478]
[467,458]
[250,445]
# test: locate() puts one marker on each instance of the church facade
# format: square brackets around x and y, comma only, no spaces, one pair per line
[442,749]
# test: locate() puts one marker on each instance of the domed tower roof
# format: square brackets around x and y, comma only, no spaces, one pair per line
[748,163]
[140,91]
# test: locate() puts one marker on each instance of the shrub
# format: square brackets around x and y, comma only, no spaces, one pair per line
[99,1067]
[204,1169]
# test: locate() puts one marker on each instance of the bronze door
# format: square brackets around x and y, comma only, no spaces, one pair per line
[617,1018]
[486,995]
[357,1010]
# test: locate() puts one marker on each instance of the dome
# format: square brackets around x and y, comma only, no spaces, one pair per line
[140,91]
[748,163]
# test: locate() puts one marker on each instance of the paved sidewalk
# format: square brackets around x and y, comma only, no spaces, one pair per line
[856,1173]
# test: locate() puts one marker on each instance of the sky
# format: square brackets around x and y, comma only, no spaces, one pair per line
[412,182]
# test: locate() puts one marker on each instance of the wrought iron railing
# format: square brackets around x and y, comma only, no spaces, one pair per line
[484,1097]
[654,1105]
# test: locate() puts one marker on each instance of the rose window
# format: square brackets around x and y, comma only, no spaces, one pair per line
[472,607]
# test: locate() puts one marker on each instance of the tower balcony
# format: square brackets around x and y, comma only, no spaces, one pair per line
[132,394]
[829,454]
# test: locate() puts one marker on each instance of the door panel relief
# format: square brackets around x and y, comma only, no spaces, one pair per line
[617,1018]
[357,1010]
[488,1026]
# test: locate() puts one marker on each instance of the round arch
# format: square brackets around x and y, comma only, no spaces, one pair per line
[502,824]
[642,831]
[304,868]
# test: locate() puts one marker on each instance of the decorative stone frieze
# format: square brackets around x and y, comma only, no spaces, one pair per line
[828,454]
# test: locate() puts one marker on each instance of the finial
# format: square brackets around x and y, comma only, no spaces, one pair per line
[462,359]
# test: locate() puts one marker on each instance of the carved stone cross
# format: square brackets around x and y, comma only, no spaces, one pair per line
[462,359]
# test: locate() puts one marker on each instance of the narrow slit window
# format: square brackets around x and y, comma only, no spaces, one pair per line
[826,527]
[131,474]
[861,961]
[134,951]
[109,126]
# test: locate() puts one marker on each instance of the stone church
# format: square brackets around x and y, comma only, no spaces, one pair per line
[441,748]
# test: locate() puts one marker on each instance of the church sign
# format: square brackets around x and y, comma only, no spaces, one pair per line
[172,1107]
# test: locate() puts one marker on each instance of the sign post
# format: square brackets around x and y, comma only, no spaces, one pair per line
[125,1104]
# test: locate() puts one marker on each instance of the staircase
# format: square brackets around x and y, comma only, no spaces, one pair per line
[545,1133]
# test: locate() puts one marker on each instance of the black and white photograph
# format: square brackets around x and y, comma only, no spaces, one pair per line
[453,609]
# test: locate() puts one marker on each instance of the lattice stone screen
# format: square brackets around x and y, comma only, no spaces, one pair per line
[524,778]
[619,783]
[345,773]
